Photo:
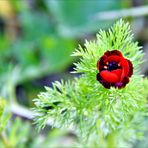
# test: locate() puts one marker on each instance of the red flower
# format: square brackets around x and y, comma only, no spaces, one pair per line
[114,69]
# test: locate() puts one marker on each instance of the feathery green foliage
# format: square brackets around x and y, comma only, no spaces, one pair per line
[88,108]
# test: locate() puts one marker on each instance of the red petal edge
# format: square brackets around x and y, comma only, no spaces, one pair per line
[131,68]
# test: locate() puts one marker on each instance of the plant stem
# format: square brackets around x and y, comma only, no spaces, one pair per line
[116,14]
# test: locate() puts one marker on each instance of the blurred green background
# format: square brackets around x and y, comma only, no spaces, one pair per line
[36,40]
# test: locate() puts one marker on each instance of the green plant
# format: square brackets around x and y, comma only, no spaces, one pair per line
[3,121]
[99,116]
[33,54]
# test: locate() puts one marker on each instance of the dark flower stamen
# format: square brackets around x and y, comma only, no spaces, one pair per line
[112,66]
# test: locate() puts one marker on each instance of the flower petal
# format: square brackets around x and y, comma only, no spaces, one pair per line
[130,68]
[113,58]
[113,52]
[109,76]
[123,83]
[116,52]
[117,72]
[103,82]
[125,68]
[100,62]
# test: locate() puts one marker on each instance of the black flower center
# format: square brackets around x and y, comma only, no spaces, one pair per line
[112,66]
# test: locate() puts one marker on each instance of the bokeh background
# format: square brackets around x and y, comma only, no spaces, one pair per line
[36,40]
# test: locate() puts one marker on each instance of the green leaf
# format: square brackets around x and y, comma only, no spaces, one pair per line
[77,17]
